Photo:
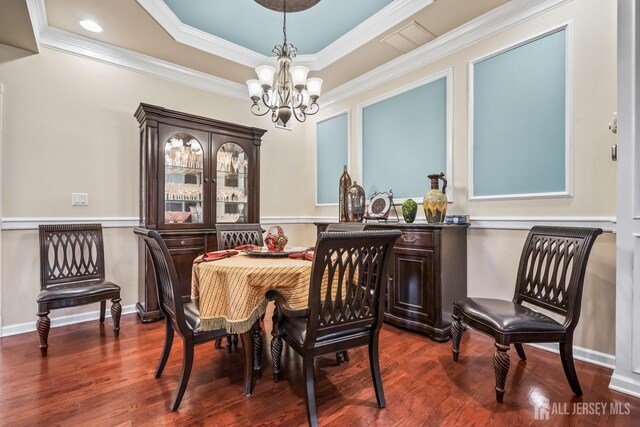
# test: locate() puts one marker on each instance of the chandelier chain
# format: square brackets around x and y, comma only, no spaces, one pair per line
[284,23]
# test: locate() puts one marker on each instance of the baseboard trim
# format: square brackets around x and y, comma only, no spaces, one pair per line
[625,385]
[580,353]
[23,328]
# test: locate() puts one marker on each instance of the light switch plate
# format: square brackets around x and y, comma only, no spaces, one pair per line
[79,199]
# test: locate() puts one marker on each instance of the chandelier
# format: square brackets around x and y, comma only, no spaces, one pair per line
[288,92]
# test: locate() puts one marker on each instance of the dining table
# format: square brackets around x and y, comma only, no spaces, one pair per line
[230,294]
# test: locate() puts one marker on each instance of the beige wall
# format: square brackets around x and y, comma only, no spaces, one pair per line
[493,254]
[69,127]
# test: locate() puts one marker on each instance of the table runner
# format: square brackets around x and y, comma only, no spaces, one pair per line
[230,292]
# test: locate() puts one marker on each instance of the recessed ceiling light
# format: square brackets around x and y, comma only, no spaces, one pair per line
[90,25]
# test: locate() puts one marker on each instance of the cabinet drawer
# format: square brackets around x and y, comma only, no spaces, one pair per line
[185,242]
[416,238]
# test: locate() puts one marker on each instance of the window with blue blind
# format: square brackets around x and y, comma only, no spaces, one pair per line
[519,120]
[332,154]
[405,138]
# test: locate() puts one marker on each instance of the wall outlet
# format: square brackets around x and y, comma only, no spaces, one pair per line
[79,199]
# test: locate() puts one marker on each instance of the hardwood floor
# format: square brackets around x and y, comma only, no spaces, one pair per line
[92,378]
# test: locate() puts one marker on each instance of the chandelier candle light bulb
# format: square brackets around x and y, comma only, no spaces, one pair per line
[288,92]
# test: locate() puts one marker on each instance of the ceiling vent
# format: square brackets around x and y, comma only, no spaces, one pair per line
[409,37]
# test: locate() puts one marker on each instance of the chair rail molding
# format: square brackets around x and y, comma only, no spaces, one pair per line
[33,223]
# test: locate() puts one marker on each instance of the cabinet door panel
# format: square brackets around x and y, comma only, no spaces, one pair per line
[412,293]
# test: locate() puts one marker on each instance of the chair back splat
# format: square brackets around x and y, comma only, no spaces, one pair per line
[346,282]
[552,268]
[70,252]
[230,236]
[169,298]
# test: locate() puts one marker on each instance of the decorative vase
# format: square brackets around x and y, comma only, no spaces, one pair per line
[344,184]
[355,203]
[409,210]
[275,240]
[435,201]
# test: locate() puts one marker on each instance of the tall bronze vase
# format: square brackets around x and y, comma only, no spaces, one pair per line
[435,201]
[343,186]
[355,203]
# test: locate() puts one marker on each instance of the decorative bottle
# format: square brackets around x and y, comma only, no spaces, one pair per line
[345,183]
[435,201]
[355,203]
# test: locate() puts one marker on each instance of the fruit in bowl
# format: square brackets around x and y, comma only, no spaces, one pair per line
[275,240]
[176,216]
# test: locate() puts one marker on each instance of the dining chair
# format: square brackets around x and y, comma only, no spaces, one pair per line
[72,273]
[348,276]
[181,317]
[550,277]
[231,236]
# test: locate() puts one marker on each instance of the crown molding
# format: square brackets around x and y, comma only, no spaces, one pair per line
[489,24]
[375,25]
[85,47]
[71,43]
[199,39]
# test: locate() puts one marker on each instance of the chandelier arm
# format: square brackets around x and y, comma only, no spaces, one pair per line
[256,111]
[300,115]
[312,109]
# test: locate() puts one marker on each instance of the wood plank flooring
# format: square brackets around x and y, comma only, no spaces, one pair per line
[91,378]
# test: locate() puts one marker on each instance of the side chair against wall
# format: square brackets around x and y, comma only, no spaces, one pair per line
[340,315]
[550,276]
[72,273]
[181,317]
[231,236]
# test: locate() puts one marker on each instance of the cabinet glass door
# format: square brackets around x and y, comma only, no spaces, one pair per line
[183,179]
[231,183]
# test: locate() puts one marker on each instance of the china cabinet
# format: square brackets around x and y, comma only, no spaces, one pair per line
[195,172]
[428,273]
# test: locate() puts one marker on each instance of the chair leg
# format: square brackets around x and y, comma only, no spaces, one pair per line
[501,367]
[520,349]
[228,345]
[116,311]
[257,349]
[218,344]
[103,308]
[235,342]
[566,355]
[342,357]
[166,349]
[457,328]
[276,353]
[43,325]
[309,390]
[374,364]
[187,363]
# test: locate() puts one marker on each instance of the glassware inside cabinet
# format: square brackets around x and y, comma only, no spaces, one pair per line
[232,182]
[183,179]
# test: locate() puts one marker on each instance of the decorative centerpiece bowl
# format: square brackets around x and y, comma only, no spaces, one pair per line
[275,240]
[176,216]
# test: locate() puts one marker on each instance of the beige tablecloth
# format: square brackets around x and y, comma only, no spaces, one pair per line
[230,292]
